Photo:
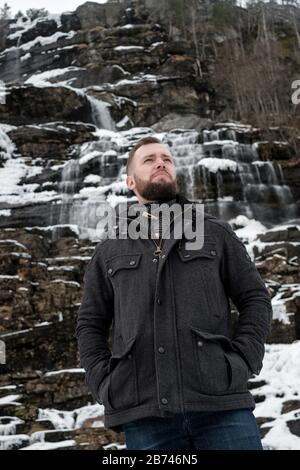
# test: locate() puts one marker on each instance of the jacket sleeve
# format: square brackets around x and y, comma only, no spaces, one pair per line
[247,290]
[93,323]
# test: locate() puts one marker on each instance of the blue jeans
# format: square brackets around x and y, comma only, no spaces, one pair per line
[195,430]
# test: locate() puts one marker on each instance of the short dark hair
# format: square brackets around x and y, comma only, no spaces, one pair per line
[145,140]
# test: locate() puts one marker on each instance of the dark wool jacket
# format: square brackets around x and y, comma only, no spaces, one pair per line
[173,346]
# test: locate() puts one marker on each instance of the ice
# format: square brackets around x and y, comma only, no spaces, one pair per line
[9,427]
[218,164]
[11,442]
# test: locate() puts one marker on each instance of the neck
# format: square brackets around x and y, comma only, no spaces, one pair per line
[160,201]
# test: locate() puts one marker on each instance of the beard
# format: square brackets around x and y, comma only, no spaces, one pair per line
[156,190]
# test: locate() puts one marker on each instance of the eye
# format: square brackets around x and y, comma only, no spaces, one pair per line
[148,159]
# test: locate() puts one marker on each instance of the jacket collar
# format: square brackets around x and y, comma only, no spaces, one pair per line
[179,198]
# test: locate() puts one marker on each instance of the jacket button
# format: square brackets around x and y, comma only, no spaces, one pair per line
[109,271]
[199,343]
[164,401]
[129,356]
[213,252]
[161,349]
[154,260]
[163,256]
[158,301]
[132,262]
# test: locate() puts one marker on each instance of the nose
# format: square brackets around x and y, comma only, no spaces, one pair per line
[160,165]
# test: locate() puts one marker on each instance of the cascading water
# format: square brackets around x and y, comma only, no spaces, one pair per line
[101,115]
[212,168]
[85,184]
[229,177]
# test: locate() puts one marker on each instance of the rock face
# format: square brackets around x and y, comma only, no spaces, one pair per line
[80,89]
[27,106]
[40,295]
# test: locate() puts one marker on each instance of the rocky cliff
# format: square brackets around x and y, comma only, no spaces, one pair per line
[79,90]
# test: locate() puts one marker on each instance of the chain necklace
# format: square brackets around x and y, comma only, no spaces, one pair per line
[158,250]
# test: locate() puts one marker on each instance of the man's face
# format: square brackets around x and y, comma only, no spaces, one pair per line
[153,173]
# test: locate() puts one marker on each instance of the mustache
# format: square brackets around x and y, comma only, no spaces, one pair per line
[161,172]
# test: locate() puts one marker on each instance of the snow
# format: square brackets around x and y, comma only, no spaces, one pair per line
[279,312]
[41,40]
[26,57]
[94,179]
[284,227]
[281,373]
[8,276]
[10,442]
[44,323]
[280,437]
[14,169]
[10,399]
[128,25]
[7,147]
[42,79]
[63,281]
[92,192]
[27,25]
[60,268]
[63,371]
[50,228]
[89,156]
[5,213]
[129,48]
[50,445]
[10,427]
[15,333]
[123,122]
[70,419]
[250,228]
[7,127]
[155,44]
[14,242]
[218,164]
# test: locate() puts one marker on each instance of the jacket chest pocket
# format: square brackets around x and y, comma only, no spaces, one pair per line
[220,369]
[122,265]
[120,389]
[203,266]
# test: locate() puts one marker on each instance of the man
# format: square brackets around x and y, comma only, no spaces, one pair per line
[176,377]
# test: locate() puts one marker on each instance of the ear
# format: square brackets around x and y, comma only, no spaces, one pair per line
[130,182]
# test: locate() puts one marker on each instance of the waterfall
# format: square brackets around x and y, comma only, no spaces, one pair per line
[101,115]
[85,183]
[225,175]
